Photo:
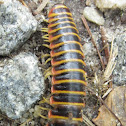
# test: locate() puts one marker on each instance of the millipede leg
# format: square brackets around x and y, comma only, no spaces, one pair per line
[49,59]
[44,117]
[45,20]
[46,45]
[85,76]
[45,55]
[45,37]
[26,122]
[46,40]
[45,100]
[49,69]
[44,108]
[38,112]
[47,75]
[44,30]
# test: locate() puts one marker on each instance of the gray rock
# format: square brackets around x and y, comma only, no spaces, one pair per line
[93,15]
[21,84]
[110,4]
[16,25]
[119,74]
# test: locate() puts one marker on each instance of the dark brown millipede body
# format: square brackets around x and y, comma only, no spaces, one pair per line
[68,75]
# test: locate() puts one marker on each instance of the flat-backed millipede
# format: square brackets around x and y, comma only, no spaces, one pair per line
[68,75]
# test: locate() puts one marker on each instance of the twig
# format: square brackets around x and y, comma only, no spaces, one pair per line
[111,63]
[104,104]
[107,92]
[41,7]
[89,32]
[23,3]
[87,121]
[26,122]
[1,2]
[105,43]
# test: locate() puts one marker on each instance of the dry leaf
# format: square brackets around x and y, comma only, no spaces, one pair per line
[116,101]
[41,6]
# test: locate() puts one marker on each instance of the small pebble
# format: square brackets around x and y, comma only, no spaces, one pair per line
[110,4]
[123,18]
[89,2]
[93,15]
[87,48]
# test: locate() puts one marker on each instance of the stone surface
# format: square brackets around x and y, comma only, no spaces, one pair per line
[110,4]
[93,15]
[16,25]
[21,84]
[119,74]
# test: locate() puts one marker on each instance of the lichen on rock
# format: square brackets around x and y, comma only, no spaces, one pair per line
[21,84]
[16,25]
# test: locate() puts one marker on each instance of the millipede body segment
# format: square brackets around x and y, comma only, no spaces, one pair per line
[68,75]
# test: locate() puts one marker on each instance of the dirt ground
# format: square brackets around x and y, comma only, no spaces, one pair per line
[34,45]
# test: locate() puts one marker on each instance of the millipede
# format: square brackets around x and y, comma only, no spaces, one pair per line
[68,74]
